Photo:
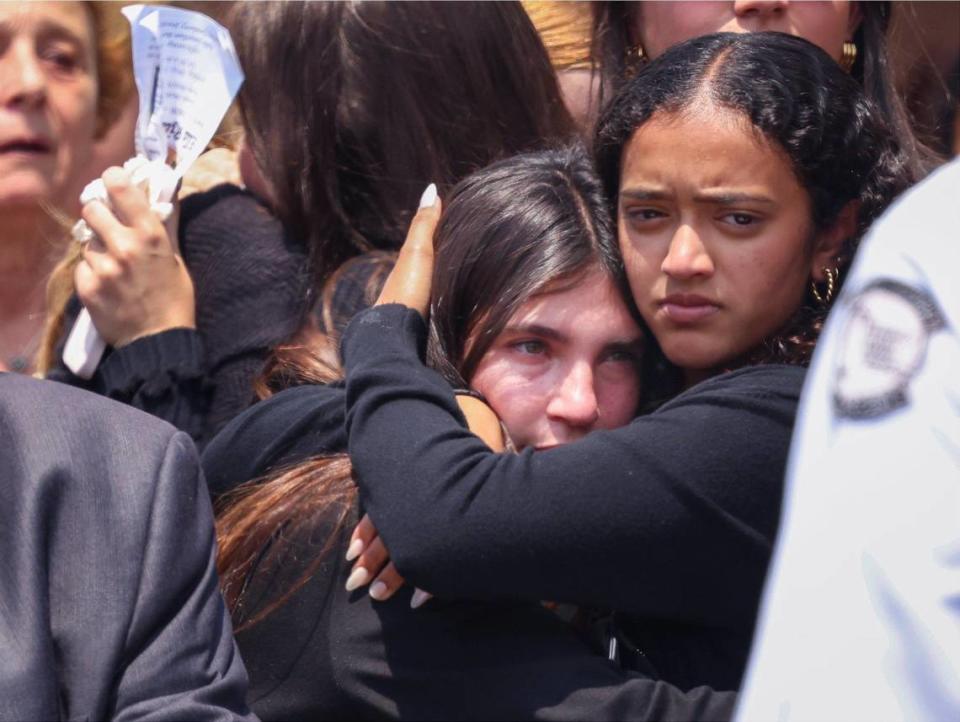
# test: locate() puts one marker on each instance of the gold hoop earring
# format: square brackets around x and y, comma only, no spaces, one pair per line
[824,299]
[634,57]
[848,56]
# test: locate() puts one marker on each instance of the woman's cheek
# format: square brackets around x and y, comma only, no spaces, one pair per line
[619,397]
[78,121]
[520,401]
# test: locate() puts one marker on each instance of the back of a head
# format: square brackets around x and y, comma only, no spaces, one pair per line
[509,232]
[352,109]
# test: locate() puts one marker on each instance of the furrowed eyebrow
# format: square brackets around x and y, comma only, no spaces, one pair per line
[642,194]
[535,329]
[634,347]
[725,198]
[46,31]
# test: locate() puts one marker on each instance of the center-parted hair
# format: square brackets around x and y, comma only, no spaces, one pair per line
[613,44]
[838,143]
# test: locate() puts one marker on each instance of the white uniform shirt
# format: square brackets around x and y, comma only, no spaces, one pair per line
[861,615]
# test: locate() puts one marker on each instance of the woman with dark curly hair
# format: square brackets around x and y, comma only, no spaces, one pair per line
[743,170]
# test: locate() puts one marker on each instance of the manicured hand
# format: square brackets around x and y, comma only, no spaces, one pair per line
[132,278]
[366,546]
[409,281]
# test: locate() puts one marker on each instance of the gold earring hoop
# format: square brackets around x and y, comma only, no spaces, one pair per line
[849,56]
[824,299]
[635,57]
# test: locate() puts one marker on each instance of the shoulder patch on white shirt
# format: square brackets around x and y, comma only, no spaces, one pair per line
[882,346]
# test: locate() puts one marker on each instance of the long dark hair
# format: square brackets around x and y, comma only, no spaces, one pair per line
[508,232]
[352,108]
[840,145]
[611,45]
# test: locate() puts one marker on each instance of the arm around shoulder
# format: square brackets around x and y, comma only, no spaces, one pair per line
[654,517]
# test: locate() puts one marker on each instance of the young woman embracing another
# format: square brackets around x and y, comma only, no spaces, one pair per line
[744,170]
[532,309]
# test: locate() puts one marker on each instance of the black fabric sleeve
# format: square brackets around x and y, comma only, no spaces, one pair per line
[291,426]
[162,374]
[252,293]
[671,517]
[329,654]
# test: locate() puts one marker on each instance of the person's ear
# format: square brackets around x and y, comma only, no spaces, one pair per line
[854,20]
[828,246]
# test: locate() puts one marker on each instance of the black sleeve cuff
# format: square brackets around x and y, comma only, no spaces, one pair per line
[174,353]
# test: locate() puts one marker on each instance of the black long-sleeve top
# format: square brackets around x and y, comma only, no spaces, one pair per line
[252,293]
[670,519]
[330,654]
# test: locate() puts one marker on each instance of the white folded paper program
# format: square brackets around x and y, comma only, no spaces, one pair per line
[187,74]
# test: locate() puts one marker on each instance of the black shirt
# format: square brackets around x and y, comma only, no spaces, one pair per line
[329,654]
[670,519]
[252,293]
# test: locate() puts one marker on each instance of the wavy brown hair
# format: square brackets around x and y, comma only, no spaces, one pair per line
[546,213]
[114,69]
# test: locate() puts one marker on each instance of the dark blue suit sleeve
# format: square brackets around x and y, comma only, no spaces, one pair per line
[181,660]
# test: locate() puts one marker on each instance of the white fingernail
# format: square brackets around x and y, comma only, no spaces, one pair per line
[378,590]
[355,549]
[419,597]
[429,196]
[358,577]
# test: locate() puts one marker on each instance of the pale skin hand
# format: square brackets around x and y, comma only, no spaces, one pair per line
[132,278]
[409,284]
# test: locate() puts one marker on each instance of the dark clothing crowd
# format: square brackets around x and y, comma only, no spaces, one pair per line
[501,361]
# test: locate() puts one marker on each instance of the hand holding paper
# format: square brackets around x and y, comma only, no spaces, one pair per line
[132,279]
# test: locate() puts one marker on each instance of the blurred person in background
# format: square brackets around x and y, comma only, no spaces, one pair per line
[626,35]
[565,27]
[64,78]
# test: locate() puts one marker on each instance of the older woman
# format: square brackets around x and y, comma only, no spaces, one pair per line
[57,96]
